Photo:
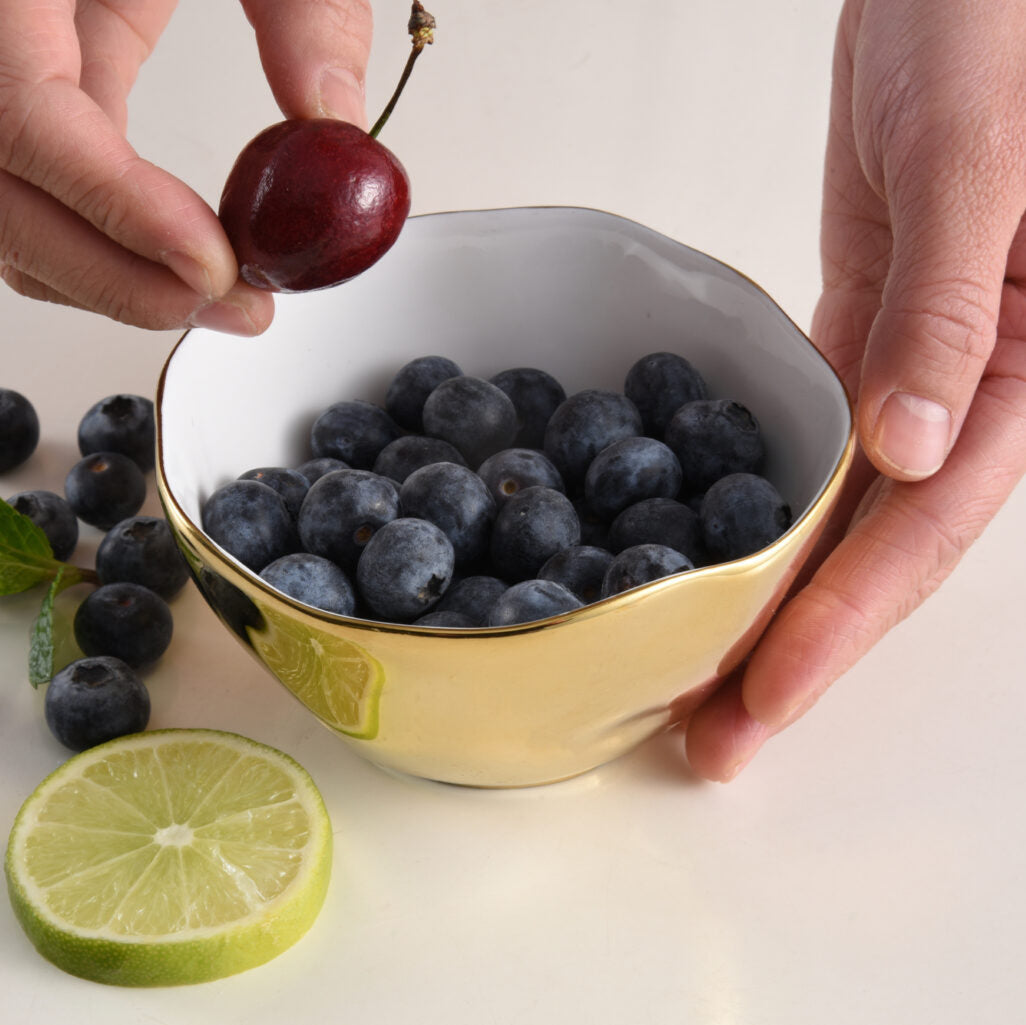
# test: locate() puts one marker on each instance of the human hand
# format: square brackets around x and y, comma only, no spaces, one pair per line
[923,315]
[84,220]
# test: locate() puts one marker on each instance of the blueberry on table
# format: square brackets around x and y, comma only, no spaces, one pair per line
[658,521]
[93,700]
[659,384]
[19,429]
[289,483]
[127,621]
[120,423]
[250,521]
[354,432]
[580,570]
[641,565]
[514,469]
[455,499]
[530,528]
[536,395]
[104,488]
[585,424]
[314,581]
[741,514]
[404,569]
[412,384]
[341,513]
[472,597]
[398,459]
[54,517]
[472,414]
[629,471]
[713,438]
[314,469]
[142,550]
[531,600]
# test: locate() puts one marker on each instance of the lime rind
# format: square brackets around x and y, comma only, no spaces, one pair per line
[339,681]
[253,900]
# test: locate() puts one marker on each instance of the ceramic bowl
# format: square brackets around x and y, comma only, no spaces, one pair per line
[581,294]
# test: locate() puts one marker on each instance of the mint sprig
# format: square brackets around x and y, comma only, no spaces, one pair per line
[27,560]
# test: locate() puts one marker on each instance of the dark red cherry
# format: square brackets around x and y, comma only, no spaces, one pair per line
[312,203]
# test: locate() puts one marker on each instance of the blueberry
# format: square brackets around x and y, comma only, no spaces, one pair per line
[535,395]
[713,438]
[53,516]
[472,414]
[404,569]
[585,424]
[290,484]
[342,511]
[658,521]
[94,700]
[314,469]
[250,521]
[659,384]
[741,514]
[514,469]
[640,565]
[19,429]
[128,621]
[532,600]
[120,423]
[629,471]
[455,499]
[594,529]
[580,570]
[412,384]
[104,488]
[142,550]
[314,581]
[354,432]
[472,597]
[448,618]
[401,457]
[530,528]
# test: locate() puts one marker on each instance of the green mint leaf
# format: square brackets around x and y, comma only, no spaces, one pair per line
[26,558]
[41,647]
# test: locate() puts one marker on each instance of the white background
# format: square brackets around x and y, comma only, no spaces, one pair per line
[866,868]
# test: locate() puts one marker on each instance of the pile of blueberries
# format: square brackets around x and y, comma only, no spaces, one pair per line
[125,623]
[465,502]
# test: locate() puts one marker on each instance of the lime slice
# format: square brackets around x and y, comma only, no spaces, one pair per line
[335,678]
[169,857]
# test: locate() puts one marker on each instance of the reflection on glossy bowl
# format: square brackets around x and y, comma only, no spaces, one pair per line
[581,294]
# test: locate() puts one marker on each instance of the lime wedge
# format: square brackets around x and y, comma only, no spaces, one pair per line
[335,678]
[169,857]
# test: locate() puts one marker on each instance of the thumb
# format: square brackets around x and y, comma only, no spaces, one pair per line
[954,213]
[315,55]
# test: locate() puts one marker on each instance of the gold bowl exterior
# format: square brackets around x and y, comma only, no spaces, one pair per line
[503,707]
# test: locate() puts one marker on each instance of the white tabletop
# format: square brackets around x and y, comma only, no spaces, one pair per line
[868,865]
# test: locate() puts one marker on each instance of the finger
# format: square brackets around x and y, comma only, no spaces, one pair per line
[722,737]
[55,137]
[95,273]
[115,37]
[954,172]
[908,539]
[315,55]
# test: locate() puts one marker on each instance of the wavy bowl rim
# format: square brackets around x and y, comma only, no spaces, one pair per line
[825,496]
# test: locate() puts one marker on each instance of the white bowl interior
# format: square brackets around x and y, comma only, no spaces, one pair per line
[579,293]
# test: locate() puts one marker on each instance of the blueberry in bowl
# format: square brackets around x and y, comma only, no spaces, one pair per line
[444,689]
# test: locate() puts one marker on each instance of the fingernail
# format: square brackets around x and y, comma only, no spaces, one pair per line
[224,317]
[191,271]
[341,95]
[913,433]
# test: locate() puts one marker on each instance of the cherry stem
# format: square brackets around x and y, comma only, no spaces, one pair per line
[422,31]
